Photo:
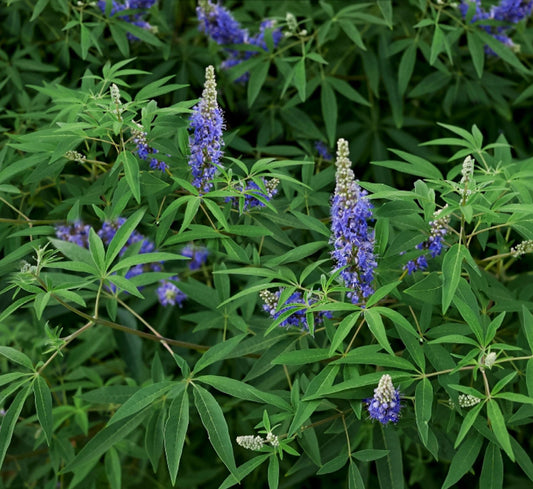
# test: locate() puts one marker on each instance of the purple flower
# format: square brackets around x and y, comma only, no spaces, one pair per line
[144,151]
[353,241]
[253,190]
[508,11]
[322,150]
[218,24]
[77,233]
[135,18]
[385,405]
[206,141]
[298,318]
[198,255]
[169,295]
[434,244]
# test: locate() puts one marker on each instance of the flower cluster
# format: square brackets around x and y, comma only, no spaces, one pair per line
[143,150]
[434,244]
[218,23]
[135,18]
[352,239]
[522,248]
[490,359]
[385,404]
[251,442]
[253,191]
[75,156]
[322,151]
[78,233]
[197,254]
[206,141]
[467,172]
[298,317]
[465,401]
[169,294]
[507,11]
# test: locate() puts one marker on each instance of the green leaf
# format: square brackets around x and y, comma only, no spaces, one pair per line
[10,420]
[301,357]
[523,459]
[217,213]
[273,472]
[370,454]
[451,273]
[492,470]
[423,404]
[352,32]
[257,79]
[217,352]
[131,171]
[113,469]
[437,45]
[355,481]
[85,41]
[529,377]
[16,356]
[389,467]
[241,390]
[345,89]
[343,330]
[527,324]
[386,10]
[299,78]
[153,440]
[122,235]
[368,355]
[243,471]
[43,406]
[175,432]
[468,421]
[329,110]
[141,399]
[104,440]
[377,328]
[213,420]
[96,248]
[497,423]
[463,460]
[477,51]
[297,253]
[38,8]
[406,67]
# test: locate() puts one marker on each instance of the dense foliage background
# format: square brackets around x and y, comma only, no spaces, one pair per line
[166,293]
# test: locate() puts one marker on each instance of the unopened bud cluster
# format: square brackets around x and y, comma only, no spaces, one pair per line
[489,360]
[75,156]
[115,94]
[251,442]
[467,171]
[465,401]
[522,248]
[292,26]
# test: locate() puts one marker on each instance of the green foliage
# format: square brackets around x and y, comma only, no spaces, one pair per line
[102,386]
